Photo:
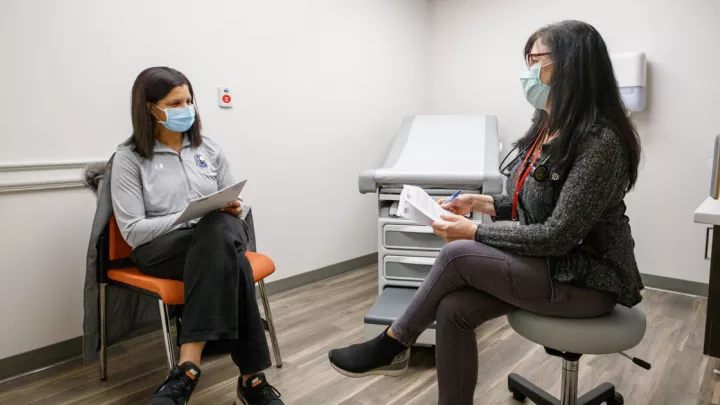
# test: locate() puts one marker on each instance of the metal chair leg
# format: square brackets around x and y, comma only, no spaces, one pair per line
[569,382]
[103,343]
[271,324]
[165,319]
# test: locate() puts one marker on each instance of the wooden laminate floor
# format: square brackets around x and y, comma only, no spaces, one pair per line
[313,319]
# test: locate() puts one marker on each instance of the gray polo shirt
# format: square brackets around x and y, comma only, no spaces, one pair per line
[149,195]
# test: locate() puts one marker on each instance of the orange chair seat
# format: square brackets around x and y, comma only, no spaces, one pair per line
[262,265]
[172,291]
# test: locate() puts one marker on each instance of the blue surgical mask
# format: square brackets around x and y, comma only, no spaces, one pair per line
[536,92]
[179,119]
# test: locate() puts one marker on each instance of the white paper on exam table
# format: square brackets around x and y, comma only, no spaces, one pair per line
[416,205]
[213,202]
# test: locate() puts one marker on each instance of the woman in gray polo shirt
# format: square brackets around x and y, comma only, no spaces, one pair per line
[165,164]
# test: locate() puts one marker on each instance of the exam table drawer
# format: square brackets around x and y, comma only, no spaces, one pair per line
[411,237]
[407,268]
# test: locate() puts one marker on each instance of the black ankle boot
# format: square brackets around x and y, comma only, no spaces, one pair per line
[382,355]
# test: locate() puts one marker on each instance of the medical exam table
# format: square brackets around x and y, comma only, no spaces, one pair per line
[442,154]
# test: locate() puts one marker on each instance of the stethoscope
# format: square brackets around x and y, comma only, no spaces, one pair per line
[540,171]
[529,167]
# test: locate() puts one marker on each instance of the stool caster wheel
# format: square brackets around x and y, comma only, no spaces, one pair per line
[617,400]
[518,396]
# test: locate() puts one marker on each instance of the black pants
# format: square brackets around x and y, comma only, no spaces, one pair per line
[220,299]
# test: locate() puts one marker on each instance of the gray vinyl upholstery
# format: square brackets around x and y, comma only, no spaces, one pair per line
[419,156]
[620,330]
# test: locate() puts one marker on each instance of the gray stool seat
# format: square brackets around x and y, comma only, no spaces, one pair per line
[620,330]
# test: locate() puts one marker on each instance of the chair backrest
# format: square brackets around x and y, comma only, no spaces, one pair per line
[118,249]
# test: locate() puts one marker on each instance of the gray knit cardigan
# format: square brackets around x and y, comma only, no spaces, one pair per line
[576,221]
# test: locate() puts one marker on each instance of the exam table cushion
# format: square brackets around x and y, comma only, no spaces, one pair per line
[414,158]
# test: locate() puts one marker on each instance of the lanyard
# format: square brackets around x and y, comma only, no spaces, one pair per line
[523,172]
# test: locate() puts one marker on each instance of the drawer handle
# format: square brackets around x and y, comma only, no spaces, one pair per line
[409,229]
[707,242]
[420,261]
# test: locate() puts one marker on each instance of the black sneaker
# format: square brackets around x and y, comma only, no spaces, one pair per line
[382,355]
[257,392]
[178,386]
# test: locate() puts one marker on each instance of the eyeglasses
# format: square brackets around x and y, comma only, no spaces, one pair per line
[533,58]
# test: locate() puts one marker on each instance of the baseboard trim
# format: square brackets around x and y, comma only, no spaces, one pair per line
[68,350]
[286,284]
[57,353]
[675,285]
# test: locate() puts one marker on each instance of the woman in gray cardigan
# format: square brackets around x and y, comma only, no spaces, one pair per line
[572,253]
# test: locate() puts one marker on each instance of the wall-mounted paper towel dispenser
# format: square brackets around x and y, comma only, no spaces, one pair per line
[631,75]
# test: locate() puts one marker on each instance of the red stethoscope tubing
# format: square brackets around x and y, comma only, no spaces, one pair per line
[523,172]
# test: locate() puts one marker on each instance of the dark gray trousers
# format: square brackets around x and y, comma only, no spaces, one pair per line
[220,302]
[471,283]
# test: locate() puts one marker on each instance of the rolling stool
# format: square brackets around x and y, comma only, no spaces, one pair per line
[620,330]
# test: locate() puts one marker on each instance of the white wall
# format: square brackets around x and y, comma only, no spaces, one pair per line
[319,86]
[328,83]
[477,57]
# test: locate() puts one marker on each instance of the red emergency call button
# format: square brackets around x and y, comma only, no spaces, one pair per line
[226,98]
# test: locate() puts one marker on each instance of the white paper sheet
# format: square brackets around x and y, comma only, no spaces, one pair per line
[429,147]
[213,202]
[416,205]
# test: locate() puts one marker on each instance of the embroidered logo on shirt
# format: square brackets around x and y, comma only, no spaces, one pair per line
[201,161]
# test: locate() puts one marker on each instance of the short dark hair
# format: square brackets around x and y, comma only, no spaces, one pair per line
[584,95]
[152,85]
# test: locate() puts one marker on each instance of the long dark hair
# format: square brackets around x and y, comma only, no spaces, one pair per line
[584,95]
[152,85]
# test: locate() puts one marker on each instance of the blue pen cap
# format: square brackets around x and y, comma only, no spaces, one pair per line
[452,197]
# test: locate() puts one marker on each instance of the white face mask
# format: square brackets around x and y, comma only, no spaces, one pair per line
[536,92]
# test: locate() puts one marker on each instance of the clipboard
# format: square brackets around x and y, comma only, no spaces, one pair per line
[209,203]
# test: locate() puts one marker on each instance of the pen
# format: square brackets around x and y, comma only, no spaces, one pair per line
[452,197]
